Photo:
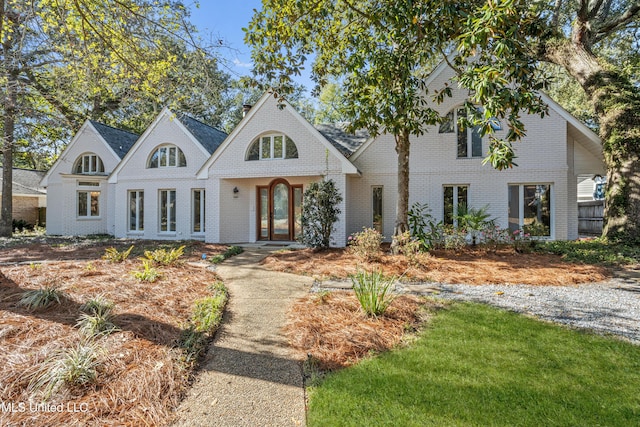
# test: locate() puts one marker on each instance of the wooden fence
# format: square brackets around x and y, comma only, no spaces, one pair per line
[590,215]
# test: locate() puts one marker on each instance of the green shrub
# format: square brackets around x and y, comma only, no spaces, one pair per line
[473,220]
[73,367]
[40,298]
[114,256]
[319,212]
[408,246]
[97,305]
[231,251]
[424,227]
[366,244]
[149,273]
[373,291]
[165,257]
[207,313]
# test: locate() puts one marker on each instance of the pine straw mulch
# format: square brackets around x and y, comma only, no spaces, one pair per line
[332,332]
[142,374]
[475,266]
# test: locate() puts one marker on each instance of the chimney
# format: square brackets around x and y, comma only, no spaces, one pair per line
[245,109]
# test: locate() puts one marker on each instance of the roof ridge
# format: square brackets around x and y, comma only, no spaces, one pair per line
[112,127]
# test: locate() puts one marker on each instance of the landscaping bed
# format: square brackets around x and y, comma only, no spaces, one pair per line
[471,265]
[139,371]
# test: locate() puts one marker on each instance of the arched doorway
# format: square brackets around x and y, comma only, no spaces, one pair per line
[279,210]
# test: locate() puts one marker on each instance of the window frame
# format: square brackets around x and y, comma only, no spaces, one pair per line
[456,202]
[379,224]
[139,211]
[266,146]
[201,211]
[89,164]
[161,156]
[521,208]
[171,211]
[451,125]
[89,195]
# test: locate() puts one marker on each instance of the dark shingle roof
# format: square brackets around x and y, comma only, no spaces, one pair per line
[119,140]
[26,181]
[346,142]
[210,137]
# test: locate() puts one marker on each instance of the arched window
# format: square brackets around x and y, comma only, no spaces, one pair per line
[469,140]
[273,146]
[88,164]
[167,156]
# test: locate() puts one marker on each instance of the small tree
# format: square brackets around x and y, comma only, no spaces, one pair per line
[319,213]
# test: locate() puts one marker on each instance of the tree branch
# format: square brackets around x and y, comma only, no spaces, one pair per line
[623,19]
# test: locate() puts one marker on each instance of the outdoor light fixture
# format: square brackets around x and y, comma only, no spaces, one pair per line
[235,190]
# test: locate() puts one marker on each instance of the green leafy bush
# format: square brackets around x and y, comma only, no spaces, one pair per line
[114,256]
[148,273]
[373,291]
[408,246]
[319,213]
[424,227]
[40,298]
[366,244]
[165,257]
[231,251]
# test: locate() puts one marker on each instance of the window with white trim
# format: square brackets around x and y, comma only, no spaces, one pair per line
[167,156]
[88,164]
[530,209]
[454,197]
[377,208]
[275,146]
[136,210]
[167,210]
[88,204]
[197,209]
[469,140]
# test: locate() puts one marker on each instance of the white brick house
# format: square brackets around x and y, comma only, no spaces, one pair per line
[182,179]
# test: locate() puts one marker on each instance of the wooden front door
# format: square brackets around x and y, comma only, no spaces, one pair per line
[279,210]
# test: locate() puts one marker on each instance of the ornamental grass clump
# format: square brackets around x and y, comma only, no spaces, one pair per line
[148,273]
[71,367]
[96,319]
[373,290]
[40,298]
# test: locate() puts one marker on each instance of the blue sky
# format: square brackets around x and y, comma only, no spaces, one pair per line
[224,19]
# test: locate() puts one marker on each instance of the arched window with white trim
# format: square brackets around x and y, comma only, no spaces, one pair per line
[88,164]
[167,156]
[271,147]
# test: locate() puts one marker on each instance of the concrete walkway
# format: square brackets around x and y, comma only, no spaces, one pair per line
[249,376]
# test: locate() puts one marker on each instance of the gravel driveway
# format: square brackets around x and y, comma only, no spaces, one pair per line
[612,307]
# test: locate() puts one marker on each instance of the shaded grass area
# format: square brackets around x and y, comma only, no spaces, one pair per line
[477,366]
[593,251]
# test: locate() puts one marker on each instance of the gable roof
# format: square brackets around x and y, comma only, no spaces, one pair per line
[205,137]
[331,146]
[119,140]
[26,182]
[336,134]
[209,137]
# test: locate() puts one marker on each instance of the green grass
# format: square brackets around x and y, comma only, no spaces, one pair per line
[596,251]
[479,366]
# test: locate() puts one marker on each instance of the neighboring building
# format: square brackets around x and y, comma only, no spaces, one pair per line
[185,180]
[29,197]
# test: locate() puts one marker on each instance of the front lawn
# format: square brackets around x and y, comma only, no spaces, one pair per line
[477,366]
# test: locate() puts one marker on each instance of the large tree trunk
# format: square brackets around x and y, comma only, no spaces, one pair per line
[402,204]
[617,104]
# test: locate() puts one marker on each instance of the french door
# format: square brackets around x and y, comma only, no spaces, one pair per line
[279,211]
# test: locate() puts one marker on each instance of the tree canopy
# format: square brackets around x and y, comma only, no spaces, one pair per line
[384,50]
